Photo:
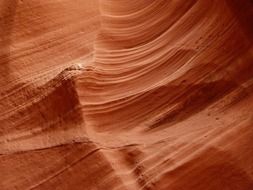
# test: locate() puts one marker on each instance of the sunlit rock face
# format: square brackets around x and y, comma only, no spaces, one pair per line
[126,95]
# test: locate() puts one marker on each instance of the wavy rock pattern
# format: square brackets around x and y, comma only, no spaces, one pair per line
[126,95]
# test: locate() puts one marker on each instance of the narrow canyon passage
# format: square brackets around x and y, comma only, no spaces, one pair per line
[126,95]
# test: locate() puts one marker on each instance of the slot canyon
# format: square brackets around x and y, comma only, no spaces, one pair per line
[126,95]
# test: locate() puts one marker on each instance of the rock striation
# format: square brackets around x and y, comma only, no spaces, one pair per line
[126,95]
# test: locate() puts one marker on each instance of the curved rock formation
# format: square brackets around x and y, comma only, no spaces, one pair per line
[161,99]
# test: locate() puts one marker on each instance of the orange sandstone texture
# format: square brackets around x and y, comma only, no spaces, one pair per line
[126,95]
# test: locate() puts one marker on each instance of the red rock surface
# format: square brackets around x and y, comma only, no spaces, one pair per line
[126,95]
